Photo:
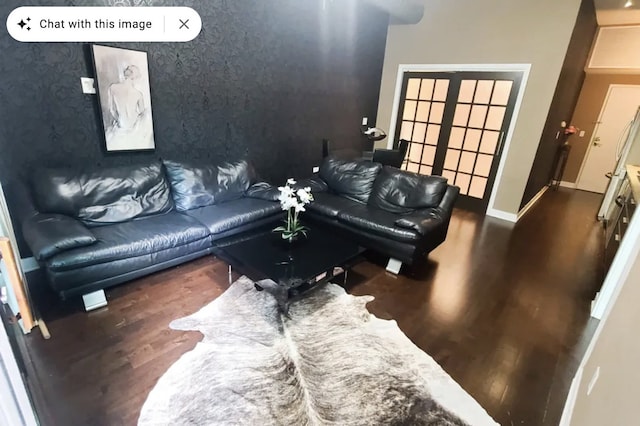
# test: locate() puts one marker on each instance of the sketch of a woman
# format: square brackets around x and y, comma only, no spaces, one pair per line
[130,128]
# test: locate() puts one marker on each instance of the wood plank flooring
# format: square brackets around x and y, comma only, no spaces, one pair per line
[503,308]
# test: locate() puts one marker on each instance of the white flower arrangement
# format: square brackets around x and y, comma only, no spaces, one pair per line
[293,202]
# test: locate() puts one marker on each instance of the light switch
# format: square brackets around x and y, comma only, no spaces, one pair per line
[563,124]
[87,86]
[365,121]
[581,134]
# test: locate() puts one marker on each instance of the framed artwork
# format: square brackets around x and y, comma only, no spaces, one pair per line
[122,80]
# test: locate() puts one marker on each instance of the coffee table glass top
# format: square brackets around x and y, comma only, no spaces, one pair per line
[264,254]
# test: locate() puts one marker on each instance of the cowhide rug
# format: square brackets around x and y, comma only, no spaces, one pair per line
[331,362]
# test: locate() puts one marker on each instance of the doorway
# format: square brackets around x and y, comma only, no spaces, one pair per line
[455,123]
[616,115]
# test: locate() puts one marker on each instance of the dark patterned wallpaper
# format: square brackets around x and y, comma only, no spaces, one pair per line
[267,79]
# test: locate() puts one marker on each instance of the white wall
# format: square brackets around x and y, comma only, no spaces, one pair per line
[615,50]
[15,406]
[7,231]
[615,349]
[490,31]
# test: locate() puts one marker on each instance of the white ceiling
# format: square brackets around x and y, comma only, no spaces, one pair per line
[613,12]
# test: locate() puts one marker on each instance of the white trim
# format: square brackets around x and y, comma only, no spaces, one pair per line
[565,420]
[525,69]
[511,217]
[532,202]
[15,405]
[566,184]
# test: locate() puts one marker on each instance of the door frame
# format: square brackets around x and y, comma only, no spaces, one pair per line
[595,129]
[525,69]
[15,405]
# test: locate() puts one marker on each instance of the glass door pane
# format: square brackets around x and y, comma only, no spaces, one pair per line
[455,124]
[475,134]
[424,104]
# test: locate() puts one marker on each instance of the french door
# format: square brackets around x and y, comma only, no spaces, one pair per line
[455,123]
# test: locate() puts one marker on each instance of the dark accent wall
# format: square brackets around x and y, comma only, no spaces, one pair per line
[264,79]
[564,100]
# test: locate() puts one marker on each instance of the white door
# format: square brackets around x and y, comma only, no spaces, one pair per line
[617,112]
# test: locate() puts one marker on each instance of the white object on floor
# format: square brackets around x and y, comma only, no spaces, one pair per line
[257,342]
[394,266]
[94,300]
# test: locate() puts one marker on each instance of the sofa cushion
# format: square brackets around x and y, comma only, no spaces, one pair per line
[316,184]
[378,222]
[133,238]
[263,191]
[350,179]
[399,191]
[109,195]
[232,214]
[329,205]
[195,186]
[89,278]
[49,234]
[422,221]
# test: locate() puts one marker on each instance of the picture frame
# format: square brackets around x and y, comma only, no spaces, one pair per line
[124,96]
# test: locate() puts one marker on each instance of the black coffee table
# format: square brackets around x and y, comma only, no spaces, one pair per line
[289,270]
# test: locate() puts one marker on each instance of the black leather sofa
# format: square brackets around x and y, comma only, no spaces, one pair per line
[401,214]
[93,230]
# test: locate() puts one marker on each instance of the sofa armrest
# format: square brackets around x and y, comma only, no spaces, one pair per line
[315,183]
[425,221]
[50,234]
[422,221]
[263,191]
[449,199]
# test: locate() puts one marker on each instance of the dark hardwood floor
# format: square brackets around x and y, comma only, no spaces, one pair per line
[503,308]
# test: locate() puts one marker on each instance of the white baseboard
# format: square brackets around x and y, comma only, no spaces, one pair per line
[532,202]
[29,264]
[572,185]
[567,412]
[511,217]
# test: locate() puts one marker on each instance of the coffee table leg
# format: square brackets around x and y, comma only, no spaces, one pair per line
[344,282]
[230,277]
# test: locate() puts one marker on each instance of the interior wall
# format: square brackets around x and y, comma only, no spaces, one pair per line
[487,32]
[616,351]
[267,80]
[564,100]
[592,97]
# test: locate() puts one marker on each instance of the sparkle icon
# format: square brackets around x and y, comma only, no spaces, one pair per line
[22,24]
